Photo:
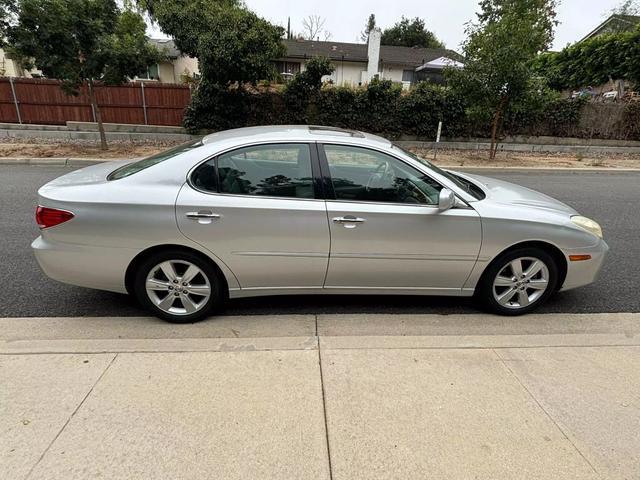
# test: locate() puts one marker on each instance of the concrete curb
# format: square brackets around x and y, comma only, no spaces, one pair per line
[71,162]
[301,332]
[542,169]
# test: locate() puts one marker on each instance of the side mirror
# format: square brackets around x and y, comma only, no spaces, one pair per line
[446,199]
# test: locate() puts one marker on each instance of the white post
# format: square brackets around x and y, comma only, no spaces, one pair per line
[435,147]
[15,99]
[144,104]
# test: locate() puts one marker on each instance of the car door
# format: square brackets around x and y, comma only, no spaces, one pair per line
[386,229]
[256,209]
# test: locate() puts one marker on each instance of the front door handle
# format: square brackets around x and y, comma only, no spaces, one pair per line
[202,214]
[348,219]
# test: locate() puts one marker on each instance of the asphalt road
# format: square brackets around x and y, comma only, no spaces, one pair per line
[611,198]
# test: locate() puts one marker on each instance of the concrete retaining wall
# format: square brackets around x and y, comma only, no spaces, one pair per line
[126,132]
[530,140]
[523,147]
[123,128]
[89,131]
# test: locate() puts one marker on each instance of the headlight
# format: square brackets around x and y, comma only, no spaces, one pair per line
[589,225]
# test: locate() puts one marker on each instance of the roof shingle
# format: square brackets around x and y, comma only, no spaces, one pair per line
[357,52]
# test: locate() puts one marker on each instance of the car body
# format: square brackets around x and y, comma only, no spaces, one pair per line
[301,210]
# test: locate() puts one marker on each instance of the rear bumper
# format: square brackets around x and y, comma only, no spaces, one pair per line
[100,267]
[586,271]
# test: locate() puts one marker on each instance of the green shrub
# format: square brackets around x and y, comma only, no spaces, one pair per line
[593,61]
[382,107]
[377,105]
[215,107]
[562,117]
[631,121]
[339,107]
[301,93]
[425,105]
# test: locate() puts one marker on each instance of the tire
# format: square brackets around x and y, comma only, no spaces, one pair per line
[161,287]
[502,291]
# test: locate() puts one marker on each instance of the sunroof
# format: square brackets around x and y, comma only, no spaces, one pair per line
[320,130]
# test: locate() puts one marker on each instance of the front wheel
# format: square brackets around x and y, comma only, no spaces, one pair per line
[178,286]
[518,282]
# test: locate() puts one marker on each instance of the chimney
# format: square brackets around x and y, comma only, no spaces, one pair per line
[373,53]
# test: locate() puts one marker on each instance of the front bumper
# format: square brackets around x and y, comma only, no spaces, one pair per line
[584,272]
[101,267]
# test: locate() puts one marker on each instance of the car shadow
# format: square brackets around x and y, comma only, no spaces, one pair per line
[350,304]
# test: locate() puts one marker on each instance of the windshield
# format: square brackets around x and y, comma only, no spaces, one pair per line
[135,167]
[469,187]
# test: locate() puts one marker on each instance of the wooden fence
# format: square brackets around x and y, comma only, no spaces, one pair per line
[39,101]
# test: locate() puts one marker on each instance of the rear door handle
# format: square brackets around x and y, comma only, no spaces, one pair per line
[203,217]
[348,219]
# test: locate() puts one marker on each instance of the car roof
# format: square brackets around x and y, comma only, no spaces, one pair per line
[306,133]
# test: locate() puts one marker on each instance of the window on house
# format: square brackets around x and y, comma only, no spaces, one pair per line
[151,73]
[154,71]
[288,67]
[408,75]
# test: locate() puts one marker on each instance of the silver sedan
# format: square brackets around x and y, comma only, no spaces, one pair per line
[301,210]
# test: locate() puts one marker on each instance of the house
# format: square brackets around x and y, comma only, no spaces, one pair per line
[614,24]
[11,68]
[357,63]
[175,67]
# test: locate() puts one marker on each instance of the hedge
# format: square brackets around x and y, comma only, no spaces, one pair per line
[592,62]
[383,107]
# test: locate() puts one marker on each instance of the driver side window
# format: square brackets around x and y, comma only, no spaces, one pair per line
[360,174]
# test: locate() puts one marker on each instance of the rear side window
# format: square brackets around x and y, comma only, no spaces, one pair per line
[276,170]
[135,167]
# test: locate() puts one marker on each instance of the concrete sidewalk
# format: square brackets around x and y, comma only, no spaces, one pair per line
[327,396]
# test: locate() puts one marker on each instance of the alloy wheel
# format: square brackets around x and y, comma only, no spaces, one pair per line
[521,282]
[178,287]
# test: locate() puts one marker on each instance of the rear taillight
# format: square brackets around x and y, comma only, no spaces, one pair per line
[49,217]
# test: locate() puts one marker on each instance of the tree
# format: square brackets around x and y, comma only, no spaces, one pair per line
[185,21]
[239,47]
[7,17]
[410,33]
[626,7]
[313,26]
[371,24]
[498,52]
[235,48]
[80,41]
[232,44]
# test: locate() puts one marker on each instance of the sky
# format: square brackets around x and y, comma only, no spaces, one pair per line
[345,19]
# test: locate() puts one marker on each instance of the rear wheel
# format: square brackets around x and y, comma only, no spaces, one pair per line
[178,286]
[518,281]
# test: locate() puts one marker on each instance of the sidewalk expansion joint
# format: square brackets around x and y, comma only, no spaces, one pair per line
[548,415]
[324,407]
[46,450]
